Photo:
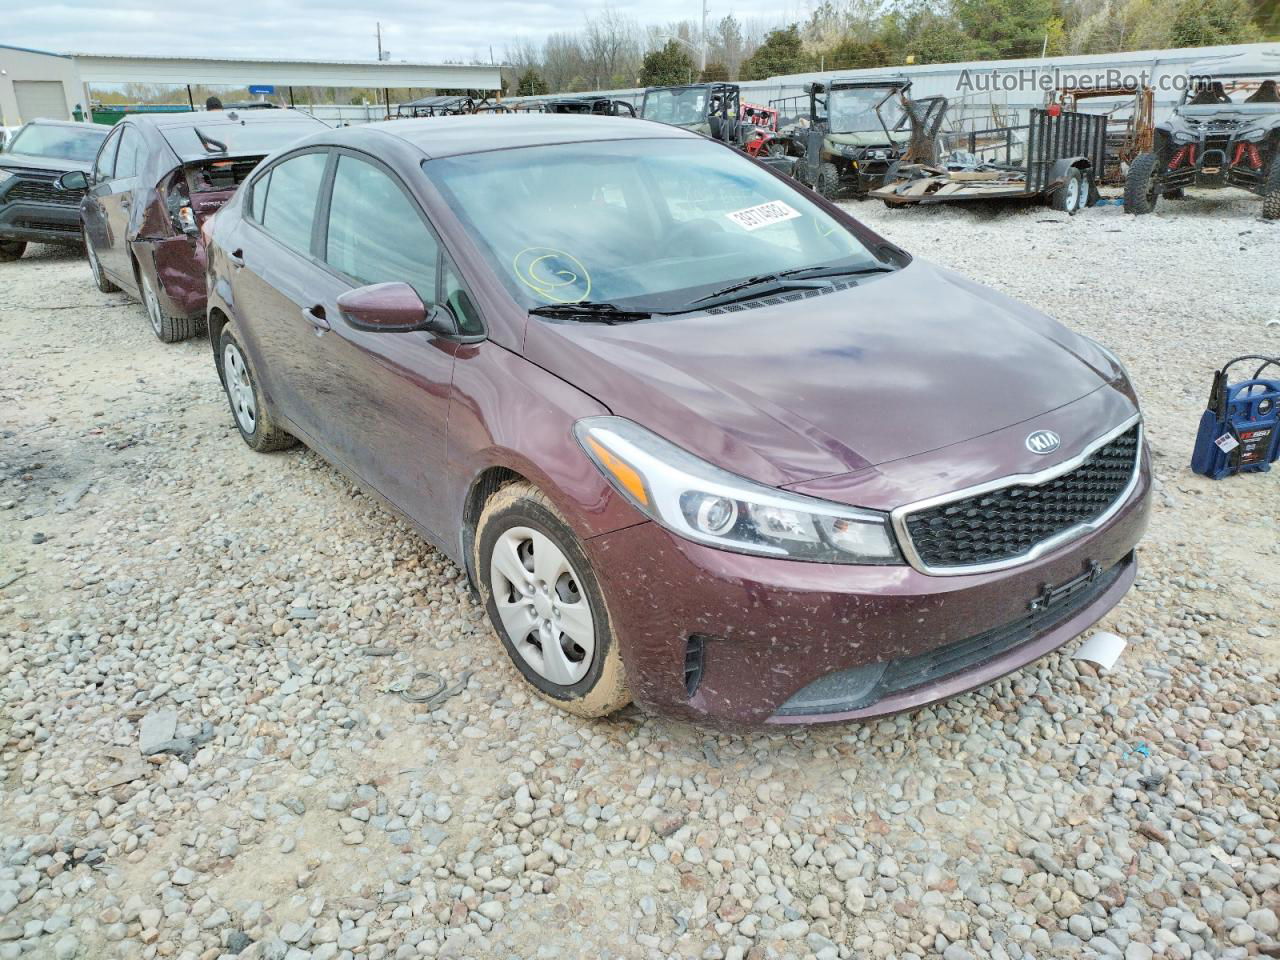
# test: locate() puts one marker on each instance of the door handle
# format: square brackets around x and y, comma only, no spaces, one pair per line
[315,316]
[236,257]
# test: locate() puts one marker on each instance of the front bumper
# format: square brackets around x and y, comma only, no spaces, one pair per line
[39,222]
[750,635]
[1217,161]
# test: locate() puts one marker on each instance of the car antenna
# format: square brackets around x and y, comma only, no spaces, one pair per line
[210,144]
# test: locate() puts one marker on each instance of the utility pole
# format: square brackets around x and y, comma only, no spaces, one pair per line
[702,56]
[379,32]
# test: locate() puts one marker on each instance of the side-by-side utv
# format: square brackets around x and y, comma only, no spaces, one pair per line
[1224,133]
[711,109]
[857,131]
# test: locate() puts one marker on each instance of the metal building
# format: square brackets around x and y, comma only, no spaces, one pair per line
[37,83]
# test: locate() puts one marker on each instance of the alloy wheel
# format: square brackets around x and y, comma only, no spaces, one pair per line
[239,388]
[542,605]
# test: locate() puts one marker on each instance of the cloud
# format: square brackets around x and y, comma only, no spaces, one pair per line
[330,29]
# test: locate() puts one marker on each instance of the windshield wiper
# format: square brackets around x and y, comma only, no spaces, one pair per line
[588,312]
[789,280]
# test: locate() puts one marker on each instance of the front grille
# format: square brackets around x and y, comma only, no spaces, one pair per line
[42,191]
[52,226]
[1010,522]
[861,687]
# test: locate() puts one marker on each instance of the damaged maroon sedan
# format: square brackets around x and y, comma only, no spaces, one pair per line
[155,180]
[698,437]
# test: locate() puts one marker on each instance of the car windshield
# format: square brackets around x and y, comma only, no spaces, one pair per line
[64,143]
[853,110]
[681,106]
[1217,91]
[644,224]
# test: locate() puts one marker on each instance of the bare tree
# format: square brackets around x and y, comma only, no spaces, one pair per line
[563,66]
[610,48]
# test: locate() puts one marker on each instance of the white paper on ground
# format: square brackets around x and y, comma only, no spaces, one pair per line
[1102,648]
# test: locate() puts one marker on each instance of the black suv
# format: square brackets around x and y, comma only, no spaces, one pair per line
[1224,133]
[32,208]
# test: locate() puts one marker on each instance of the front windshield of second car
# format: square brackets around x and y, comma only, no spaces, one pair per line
[643,224]
[78,144]
[680,106]
[853,110]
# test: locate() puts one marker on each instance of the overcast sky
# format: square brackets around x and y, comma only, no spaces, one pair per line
[333,29]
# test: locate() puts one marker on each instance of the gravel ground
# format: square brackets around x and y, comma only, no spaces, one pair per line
[251,617]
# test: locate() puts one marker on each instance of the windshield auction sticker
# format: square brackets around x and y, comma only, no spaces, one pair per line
[764,215]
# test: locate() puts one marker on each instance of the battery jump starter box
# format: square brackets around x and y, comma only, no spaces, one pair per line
[1240,428]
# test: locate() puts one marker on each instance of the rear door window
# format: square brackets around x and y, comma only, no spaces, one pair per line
[376,231]
[129,159]
[289,207]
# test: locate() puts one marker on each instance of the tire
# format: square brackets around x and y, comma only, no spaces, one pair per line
[828,180]
[1140,193]
[1067,198]
[250,411]
[515,524]
[168,329]
[1271,192]
[95,267]
[11,250]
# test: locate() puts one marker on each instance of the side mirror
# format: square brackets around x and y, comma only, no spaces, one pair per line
[394,308]
[74,180]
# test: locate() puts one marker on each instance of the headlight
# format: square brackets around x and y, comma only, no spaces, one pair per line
[849,151]
[701,502]
[1184,136]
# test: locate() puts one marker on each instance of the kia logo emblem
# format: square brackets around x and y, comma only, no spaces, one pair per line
[1043,441]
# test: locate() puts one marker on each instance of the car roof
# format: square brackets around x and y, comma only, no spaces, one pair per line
[78,124]
[480,133]
[208,119]
[1259,64]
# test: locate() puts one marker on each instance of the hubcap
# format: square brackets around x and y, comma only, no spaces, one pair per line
[152,303]
[239,388]
[1073,193]
[542,606]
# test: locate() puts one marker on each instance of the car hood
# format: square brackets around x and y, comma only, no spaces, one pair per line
[898,365]
[31,161]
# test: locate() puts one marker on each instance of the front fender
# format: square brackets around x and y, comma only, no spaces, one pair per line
[509,413]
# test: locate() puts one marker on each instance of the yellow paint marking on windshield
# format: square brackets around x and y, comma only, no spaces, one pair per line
[548,272]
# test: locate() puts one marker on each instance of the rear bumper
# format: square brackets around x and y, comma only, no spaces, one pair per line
[767,629]
[39,222]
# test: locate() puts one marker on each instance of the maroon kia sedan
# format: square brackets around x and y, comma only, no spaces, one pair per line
[154,180]
[698,437]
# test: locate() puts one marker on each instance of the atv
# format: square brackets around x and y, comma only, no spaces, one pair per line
[858,131]
[1224,133]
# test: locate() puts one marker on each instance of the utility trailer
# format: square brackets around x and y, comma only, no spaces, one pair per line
[1058,155]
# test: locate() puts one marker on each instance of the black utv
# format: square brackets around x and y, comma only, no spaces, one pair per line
[1224,133]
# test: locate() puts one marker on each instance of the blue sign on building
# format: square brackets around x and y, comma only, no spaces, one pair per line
[261,88]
